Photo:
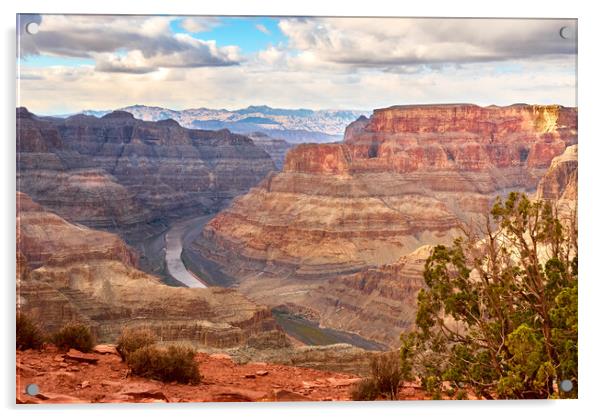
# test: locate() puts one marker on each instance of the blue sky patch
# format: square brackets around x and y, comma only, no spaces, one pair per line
[42,61]
[240,31]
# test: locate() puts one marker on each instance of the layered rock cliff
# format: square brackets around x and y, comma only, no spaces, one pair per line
[121,173]
[276,148]
[339,232]
[560,181]
[69,272]
[376,303]
[61,178]
[401,179]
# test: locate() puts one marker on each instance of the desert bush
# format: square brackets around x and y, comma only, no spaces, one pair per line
[28,333]
[386,373]
[384,379]
[74,335]
[364,390]
[172,364]
[132,339]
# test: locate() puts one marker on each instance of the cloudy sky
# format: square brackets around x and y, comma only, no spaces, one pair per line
[106,62]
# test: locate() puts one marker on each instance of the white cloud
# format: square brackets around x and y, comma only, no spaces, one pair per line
[274,57]
[262,28]
[549,82]
[199,24]
[326,63]
[147,41]
[133,62]
[366,42]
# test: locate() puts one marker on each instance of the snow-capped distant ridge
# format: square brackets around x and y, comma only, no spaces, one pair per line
[89,112]
[293,125]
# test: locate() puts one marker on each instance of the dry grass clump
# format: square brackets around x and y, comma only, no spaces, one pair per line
[133,339]
[29,334]
[74,335]
[384,379]
[175,363]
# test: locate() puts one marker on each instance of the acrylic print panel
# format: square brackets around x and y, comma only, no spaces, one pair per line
[295,209]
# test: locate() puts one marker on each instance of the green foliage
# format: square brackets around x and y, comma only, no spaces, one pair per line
[28,333]
[564,334]
[499,314]
[74,335]
[173,364]
[132,339]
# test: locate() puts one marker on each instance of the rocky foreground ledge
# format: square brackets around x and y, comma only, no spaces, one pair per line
[102,377]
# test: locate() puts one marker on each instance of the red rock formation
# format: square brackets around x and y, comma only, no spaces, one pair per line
[45,238]
[468,118]
[318,159]
[464,137]
[121,173]
[403,178]
[276,148]
[70,272]
[560,181]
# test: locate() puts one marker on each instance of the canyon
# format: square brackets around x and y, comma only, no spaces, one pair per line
[130,176]
[304,244]
[276,148]
[559,184]
[69,272]
[341,234]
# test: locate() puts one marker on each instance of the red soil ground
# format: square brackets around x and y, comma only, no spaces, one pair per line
[106,379]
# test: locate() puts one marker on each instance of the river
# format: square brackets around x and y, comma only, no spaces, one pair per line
[168,246]
[179,233]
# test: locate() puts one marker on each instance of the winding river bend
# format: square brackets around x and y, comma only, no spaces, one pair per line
[181,234]
[176,237]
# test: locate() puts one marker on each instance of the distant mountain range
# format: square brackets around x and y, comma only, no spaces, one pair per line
[293,125]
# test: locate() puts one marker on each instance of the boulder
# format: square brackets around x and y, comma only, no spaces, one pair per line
[238,395]
[76,355]
[106,349]
[283,395]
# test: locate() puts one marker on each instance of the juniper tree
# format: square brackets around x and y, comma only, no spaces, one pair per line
[499,310]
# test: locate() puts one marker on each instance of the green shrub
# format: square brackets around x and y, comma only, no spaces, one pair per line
[384,379]
[28,333]
[514,308]
[77,336]
[172,364]
[132,339]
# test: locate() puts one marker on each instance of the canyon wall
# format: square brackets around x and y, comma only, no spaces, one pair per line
[560,181]
[402,179]
[120,173]
[68,272]
[341,231]
[276,148]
